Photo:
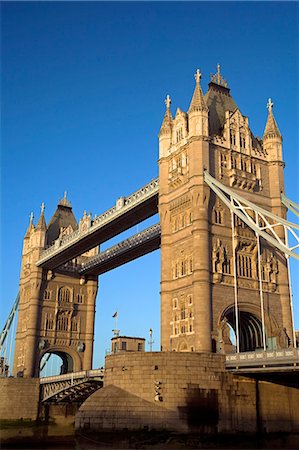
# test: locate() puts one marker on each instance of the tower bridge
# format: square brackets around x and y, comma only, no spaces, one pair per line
[224,238]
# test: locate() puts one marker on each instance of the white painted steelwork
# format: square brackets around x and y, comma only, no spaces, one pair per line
[247,211]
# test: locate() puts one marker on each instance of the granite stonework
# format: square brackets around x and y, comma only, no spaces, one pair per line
[185,392]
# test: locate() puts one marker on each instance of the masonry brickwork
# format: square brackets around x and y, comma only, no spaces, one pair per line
[19,398]
[185,392]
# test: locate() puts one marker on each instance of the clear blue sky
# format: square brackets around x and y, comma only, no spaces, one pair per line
[83,88]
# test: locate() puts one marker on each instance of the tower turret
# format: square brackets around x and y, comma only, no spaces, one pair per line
[41,229]
[272,139]
[198,111]
[166,130]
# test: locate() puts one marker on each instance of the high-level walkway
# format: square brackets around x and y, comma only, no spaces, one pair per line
[127,212]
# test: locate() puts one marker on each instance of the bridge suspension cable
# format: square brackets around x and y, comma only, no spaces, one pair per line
[263,223]
[290,204]
[7,339]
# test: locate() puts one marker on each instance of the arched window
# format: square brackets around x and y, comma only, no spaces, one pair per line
[62,322]
[47,294]
[64,295]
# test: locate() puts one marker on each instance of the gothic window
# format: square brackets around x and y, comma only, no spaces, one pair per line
[79,297]
[232,137]
[242,142]
[183,220]
[62,322]
[253,168]
[191,265]
[184,267]
[74,325]
[245,266]
[226,266]
[47,294]
[233,162]
[179,134]
[176,270]
[190,299]
[64,295]
[49,322]
[243,165]
[183,329]
[190,217]
[176,330]
[218,216]
[183,312]
[190,328]
[175,303]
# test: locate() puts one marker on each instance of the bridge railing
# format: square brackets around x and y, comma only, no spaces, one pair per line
[73,376]
[284,357]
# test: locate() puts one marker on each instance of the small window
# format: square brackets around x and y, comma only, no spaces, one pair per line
[124,345]
[140,346]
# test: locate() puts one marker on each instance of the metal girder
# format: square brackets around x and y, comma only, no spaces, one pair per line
[290,204]
[9,321]
[258,219]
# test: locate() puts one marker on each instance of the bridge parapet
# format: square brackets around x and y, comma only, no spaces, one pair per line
[260,359]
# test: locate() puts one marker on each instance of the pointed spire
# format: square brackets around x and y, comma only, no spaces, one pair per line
[271,129]
[41,224]
[198,102]
[30,227]
[166,126]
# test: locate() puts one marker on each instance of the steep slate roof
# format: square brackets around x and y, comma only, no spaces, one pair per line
[218,100]
[62,218]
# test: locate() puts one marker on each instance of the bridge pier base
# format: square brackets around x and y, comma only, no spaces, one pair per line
[186,392]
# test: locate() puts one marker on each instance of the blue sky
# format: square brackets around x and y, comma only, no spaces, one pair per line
[83,88]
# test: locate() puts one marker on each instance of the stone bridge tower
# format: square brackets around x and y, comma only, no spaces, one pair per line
[57,309]
[198,258]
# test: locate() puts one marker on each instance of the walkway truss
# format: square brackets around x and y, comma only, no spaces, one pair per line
[71,387]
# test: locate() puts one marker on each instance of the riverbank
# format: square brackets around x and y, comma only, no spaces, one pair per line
[18,435]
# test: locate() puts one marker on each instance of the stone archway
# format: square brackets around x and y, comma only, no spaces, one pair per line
[250,330]
[69,361]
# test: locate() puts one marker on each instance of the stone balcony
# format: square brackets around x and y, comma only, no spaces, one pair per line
[244,180]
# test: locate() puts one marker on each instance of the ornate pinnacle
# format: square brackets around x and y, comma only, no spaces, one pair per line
[31,217]
[270,105]
[217,78]
[64,201]
[197,76]
[42,208]
[167,101]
